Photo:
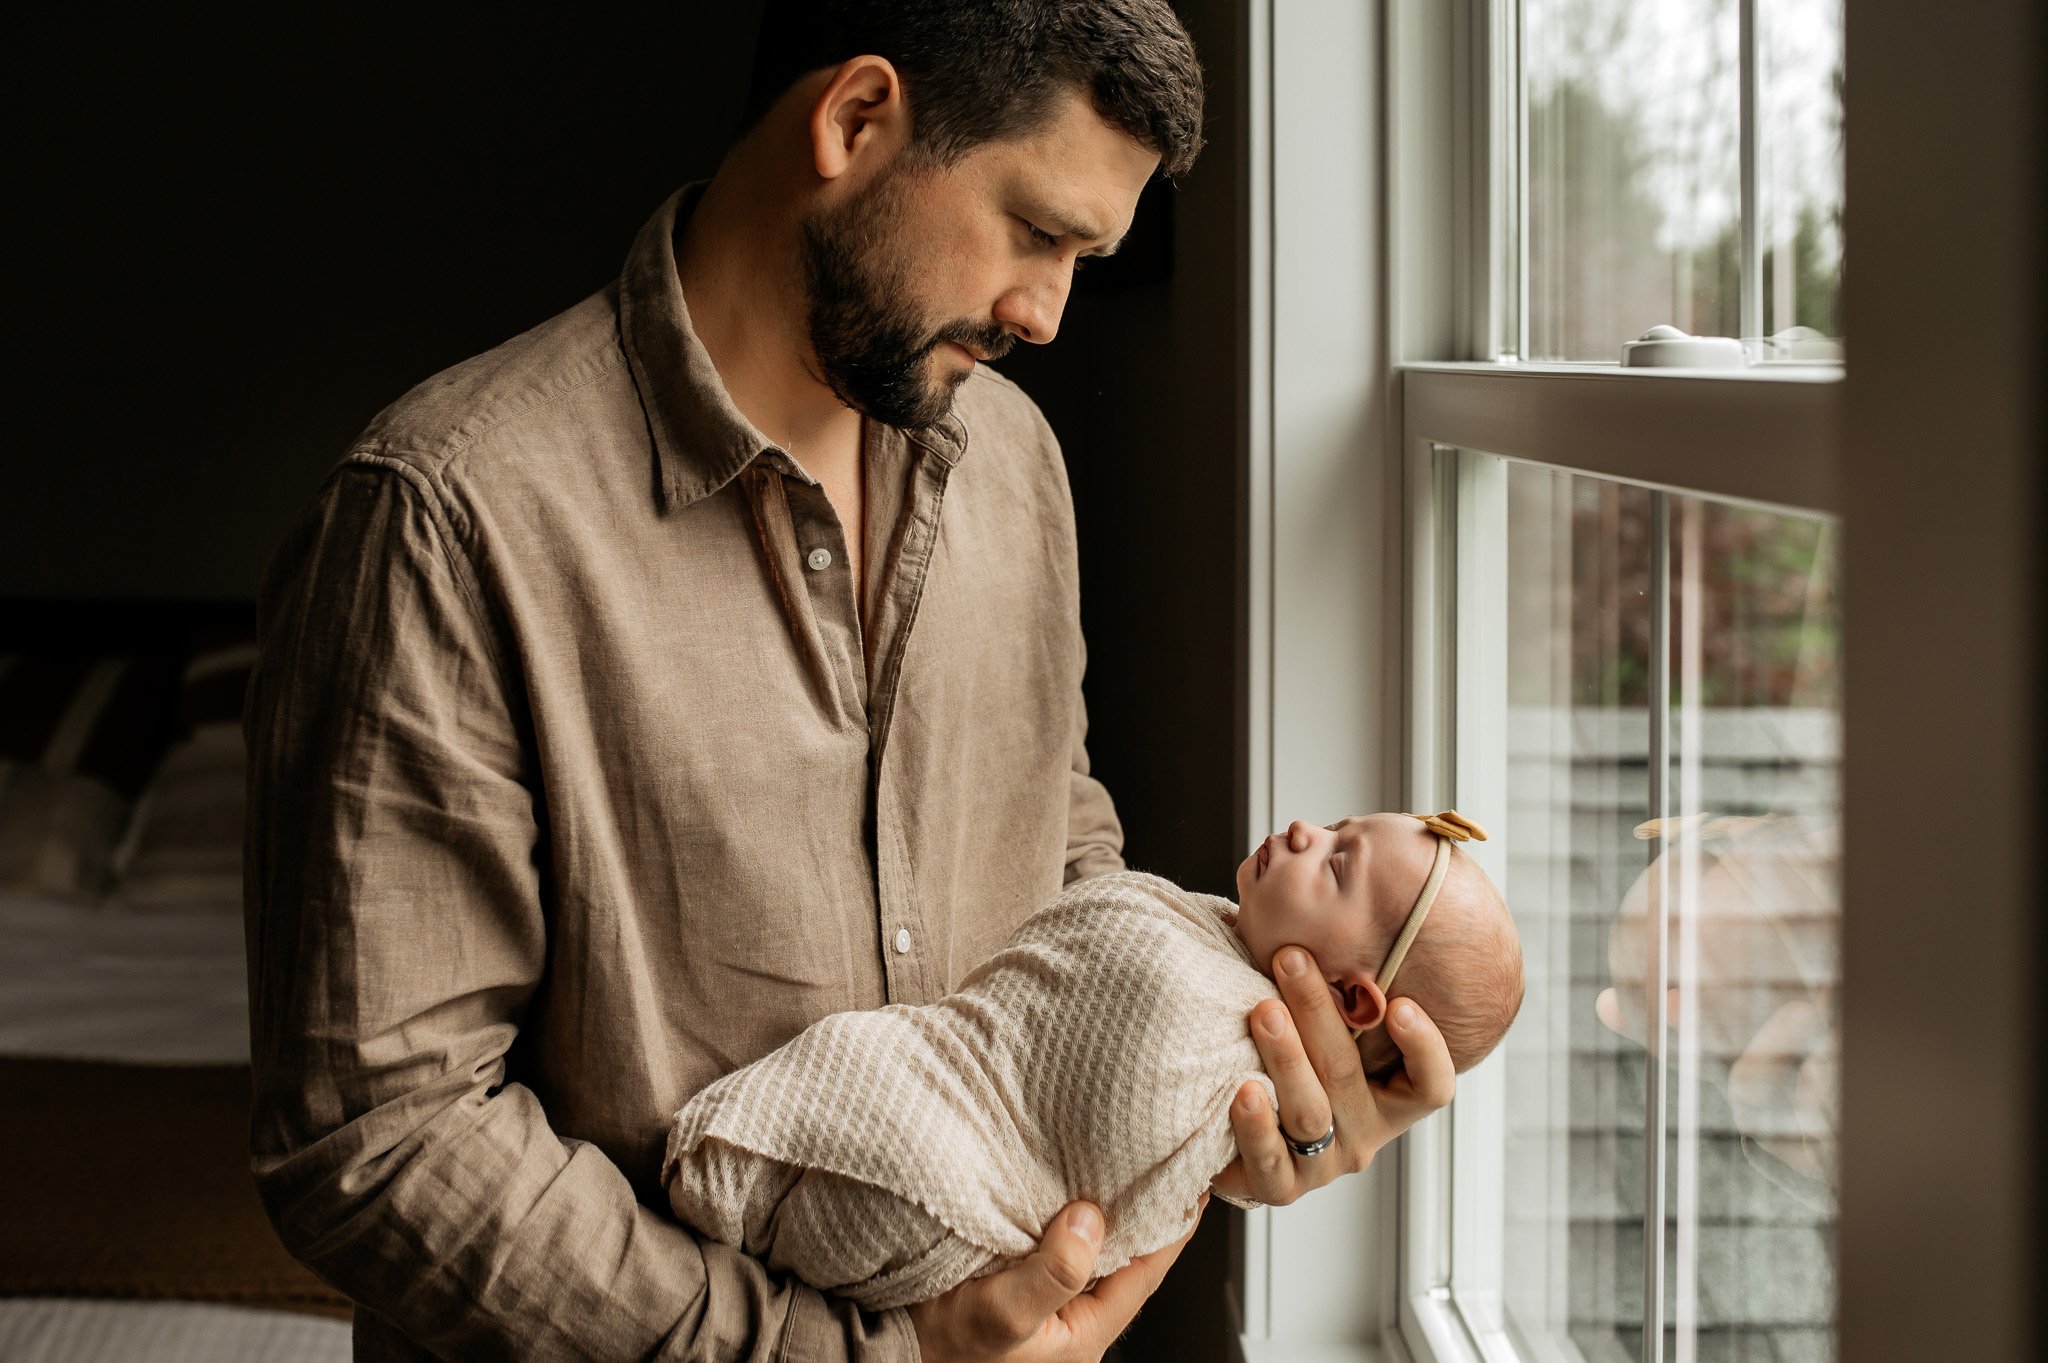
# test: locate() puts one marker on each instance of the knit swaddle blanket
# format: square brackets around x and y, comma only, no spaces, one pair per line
[890,1155]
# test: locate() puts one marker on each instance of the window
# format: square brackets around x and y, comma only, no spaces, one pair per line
[1489,565]
[1623,653]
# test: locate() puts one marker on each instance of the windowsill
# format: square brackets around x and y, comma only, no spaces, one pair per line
[1771,371]
[1766,435]
[1293,1351]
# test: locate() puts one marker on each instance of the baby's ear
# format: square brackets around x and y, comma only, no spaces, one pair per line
[1359,999]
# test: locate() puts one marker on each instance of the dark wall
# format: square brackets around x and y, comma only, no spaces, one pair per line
[248,236]
[1142,387]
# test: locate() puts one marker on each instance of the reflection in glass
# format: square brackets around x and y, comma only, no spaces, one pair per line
[1740,878]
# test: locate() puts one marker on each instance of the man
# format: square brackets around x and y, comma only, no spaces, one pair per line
[698,664]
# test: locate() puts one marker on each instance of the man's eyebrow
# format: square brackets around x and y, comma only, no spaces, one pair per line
[1061,225]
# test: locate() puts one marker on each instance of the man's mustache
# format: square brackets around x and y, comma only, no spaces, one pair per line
[991,340]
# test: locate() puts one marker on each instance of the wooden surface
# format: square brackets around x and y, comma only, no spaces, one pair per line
[133,1181]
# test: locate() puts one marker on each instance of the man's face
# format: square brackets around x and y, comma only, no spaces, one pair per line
[1342,892]
[916,276]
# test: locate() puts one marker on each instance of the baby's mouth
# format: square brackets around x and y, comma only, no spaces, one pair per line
[1263,857]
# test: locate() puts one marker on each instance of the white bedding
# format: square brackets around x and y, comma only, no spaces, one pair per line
[88,982]
[66,1330]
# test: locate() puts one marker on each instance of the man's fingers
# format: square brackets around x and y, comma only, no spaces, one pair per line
[1297,1083]
[1017,1301]
[1326,1039]
[1265,1169]
[1428,1078]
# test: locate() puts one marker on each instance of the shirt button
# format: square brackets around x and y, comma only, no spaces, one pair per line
[820,560]
[902,940]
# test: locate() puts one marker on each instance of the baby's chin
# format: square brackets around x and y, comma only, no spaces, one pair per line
[1250,939]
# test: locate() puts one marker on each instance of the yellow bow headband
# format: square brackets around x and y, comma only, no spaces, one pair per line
[1449,827]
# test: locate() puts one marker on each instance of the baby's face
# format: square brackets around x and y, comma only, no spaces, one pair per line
[1342,892]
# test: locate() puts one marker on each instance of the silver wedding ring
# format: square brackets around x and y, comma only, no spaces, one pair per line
[1314,1147]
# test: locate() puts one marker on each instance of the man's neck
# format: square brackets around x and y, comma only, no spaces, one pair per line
[746,303]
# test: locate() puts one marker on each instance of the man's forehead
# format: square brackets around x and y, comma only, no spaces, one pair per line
[1078,165]
[1069,200]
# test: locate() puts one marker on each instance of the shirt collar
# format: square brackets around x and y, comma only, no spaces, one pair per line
[701,440]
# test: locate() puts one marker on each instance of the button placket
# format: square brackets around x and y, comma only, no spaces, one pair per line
[830,590]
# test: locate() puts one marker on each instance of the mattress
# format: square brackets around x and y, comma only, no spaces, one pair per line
[59,1330]
[82,981]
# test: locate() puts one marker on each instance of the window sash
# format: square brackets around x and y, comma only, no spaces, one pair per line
[1452,1236]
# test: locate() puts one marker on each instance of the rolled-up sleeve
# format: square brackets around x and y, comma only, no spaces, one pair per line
[397,933]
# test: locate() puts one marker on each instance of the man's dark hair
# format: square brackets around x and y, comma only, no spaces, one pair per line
[976,71]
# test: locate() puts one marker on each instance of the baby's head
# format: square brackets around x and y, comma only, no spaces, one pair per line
[1346,891]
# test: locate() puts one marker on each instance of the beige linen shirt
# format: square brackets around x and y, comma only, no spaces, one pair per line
[578,780]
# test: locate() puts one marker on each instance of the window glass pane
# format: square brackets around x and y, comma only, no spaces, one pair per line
[1749,867]
[1739,884]
[1799,165]
[1578,734]
[1633,173]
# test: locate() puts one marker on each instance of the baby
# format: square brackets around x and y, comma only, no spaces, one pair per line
[890,1155]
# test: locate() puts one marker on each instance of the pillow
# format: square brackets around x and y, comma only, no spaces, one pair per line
[184,843]
[77,736]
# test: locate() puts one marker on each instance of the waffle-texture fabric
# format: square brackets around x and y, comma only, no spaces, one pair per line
[892,1154]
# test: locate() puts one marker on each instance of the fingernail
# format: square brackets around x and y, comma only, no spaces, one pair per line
[1404,1014]
[1087,1224]
[1252,1103]
[1274,1023]
[1293,962]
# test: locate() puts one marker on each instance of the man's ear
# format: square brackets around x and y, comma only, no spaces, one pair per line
[1359,999]
[860,116]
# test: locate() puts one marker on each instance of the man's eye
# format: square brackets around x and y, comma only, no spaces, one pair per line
[1042,238]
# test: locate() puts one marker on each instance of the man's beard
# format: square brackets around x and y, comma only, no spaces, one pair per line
[872,347]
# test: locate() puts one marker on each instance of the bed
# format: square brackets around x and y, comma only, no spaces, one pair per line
[131,1229]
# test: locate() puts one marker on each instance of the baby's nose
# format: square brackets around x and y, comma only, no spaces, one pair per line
[1299,835]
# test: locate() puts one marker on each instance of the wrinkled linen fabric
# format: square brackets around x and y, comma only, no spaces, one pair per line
[890,1155]
[575,786]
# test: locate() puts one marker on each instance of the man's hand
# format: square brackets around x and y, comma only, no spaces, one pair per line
[1314,1065]
[1036,1312]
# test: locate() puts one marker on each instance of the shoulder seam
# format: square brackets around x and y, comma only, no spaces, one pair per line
[461,565]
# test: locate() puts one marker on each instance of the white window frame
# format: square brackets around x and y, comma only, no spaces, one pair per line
[1370,298]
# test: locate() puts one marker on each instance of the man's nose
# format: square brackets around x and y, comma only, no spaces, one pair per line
[1031,312]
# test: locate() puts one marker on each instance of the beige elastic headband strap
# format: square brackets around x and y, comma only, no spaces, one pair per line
[1449,826]
[1423,901]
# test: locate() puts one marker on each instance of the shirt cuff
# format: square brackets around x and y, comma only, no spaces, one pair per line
[827,1329]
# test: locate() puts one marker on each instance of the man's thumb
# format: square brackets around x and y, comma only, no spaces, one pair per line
[1066,1254]
[1014,1304]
